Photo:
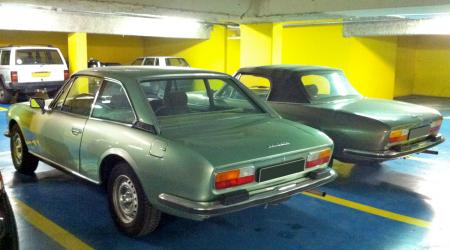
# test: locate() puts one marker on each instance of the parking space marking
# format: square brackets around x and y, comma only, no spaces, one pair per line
[3,109]
[372,210]
[5,153]
[447,117]
[55,232]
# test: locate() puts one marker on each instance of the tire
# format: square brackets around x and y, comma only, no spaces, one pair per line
[136,217]
[5,94]
[23,161]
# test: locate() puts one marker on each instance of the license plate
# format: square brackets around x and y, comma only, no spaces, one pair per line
[419,132]
[40,74]
[272,172]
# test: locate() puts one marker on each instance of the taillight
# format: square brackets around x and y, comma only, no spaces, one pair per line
[14,77]
[66,75]
[435,126]
[235,177]
[398,135]
[318,158]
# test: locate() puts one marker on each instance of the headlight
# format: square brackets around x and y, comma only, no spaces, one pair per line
[398,135]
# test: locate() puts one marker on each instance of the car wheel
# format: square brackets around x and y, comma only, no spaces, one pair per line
[23,161]
[5,94]
[129,206]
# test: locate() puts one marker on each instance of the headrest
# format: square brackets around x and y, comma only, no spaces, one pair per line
[312,90]
[176,99]
[119,101]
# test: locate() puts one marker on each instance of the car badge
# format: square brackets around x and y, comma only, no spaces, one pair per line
[281,144]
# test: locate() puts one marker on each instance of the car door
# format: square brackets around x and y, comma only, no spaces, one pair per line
[62,132]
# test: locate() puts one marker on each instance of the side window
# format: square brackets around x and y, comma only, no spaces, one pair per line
[156,62]
[252,81]
[5,57]
[316,85]
[81,95]
[59,102]
[149,61]
[112,104]
[258,84]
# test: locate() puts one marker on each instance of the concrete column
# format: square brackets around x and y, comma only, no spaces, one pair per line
[77,46]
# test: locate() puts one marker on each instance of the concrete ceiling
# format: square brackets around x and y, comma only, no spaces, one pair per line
[244,11]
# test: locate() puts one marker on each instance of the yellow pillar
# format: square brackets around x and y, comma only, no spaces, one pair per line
[77,46]
[256,44]
[277,43]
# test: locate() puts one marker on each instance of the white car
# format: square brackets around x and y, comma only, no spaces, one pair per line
[162,61]
[30,69]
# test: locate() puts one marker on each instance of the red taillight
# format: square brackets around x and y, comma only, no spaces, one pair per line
[66,75]
[318,158]
[14,77]
[435,126]
[235,177]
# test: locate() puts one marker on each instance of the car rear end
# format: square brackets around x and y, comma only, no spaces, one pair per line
[36,69]
[255,175]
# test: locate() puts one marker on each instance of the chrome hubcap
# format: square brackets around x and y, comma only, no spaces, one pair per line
[125,199]
[18,149]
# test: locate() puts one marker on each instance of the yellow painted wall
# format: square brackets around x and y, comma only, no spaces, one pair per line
[405,66]
[432,66]
[207,54]
[369,63]
[119,49]
[256,44]
[55,39]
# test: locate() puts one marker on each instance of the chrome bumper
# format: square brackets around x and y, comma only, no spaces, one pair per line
[392,154]
[204,210]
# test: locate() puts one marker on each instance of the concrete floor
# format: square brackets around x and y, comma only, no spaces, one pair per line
[401,204]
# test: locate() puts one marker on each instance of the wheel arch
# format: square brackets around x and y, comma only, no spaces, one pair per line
[109,159]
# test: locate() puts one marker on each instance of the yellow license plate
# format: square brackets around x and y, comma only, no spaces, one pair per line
[40,74]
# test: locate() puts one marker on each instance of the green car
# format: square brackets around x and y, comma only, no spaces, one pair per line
[363,129]
[163,140]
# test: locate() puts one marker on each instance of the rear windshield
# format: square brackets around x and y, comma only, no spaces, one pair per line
[37,56]
[173,97]
[180,62]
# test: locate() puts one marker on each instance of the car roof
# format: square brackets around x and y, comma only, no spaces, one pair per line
[139,72]
[28,47]
[282,68]
[161,57]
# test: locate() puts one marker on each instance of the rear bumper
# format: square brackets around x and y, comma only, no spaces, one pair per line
[31,87]
[393,154]
[204,210]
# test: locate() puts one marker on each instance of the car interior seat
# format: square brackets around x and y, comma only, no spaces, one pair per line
[175,103]
[311,90]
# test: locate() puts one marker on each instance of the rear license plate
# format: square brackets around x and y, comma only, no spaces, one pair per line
[419,132]
[40,74]
[272,172]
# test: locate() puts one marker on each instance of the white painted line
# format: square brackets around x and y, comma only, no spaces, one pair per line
[5,153]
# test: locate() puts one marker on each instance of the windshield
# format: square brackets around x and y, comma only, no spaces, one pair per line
[325,85]
[176,97]
[180,62]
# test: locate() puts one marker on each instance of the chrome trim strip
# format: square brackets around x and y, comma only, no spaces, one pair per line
[391,154]
[205,210]
[63,168]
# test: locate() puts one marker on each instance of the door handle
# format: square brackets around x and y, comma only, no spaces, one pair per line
[76,131]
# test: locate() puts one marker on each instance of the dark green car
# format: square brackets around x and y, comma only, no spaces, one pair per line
[363,129]
[166,140]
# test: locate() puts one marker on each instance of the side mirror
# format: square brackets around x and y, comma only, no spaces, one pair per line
[37,103]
